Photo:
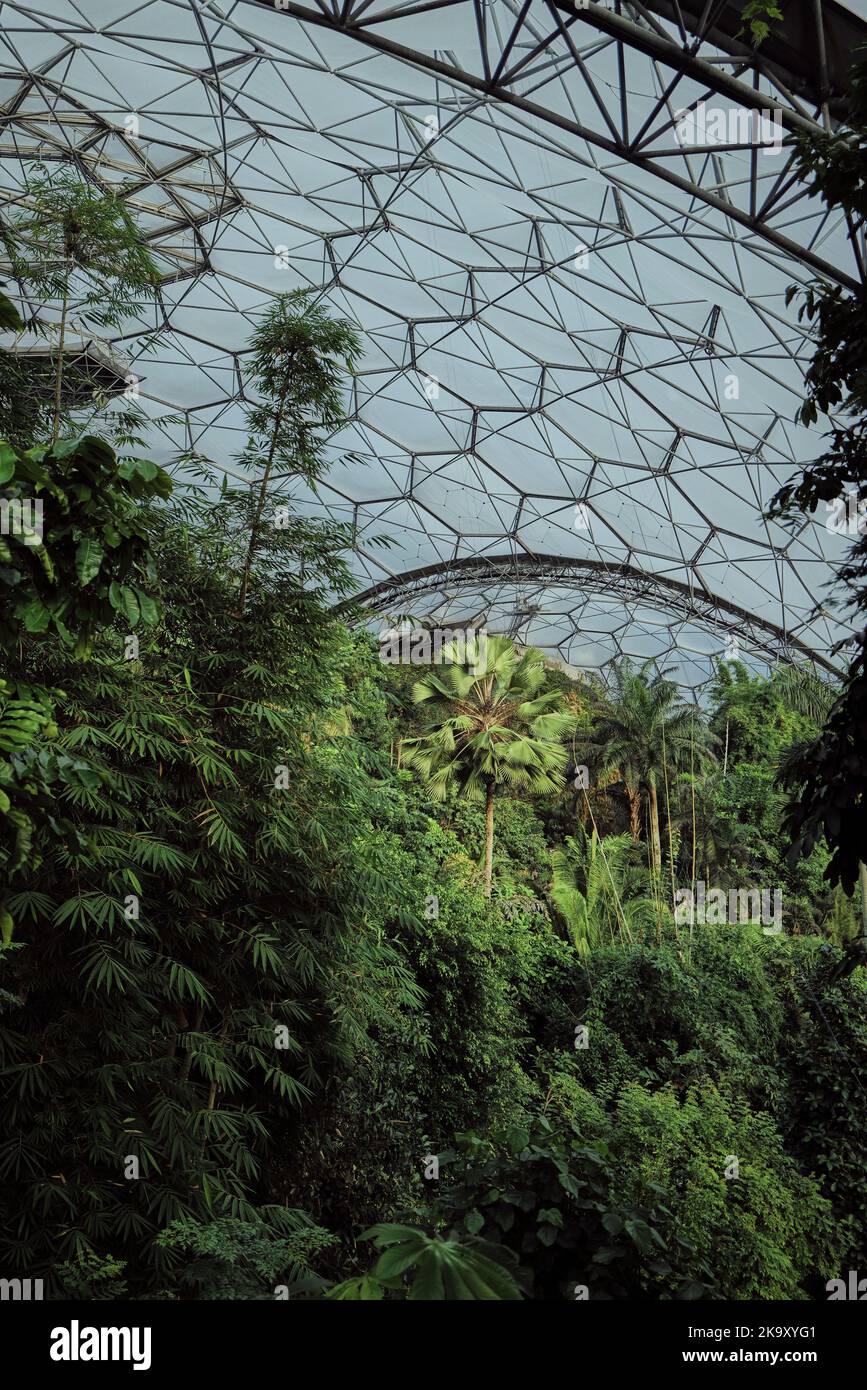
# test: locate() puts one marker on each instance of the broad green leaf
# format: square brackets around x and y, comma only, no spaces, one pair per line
[691,1291]
[365,1289]
[551,1216]
[8,460]
[149,611]
[428,1283]
[130,605]
[640,1233]
[64,448]
[389,1233]
[397,1260]
[35,616]
[9,316]
[457,1279]
[517,1138]
[88,558]
[93,450]
[493,1276]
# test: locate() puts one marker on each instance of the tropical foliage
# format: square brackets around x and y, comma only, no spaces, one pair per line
[827,774]
[643,730]
[325,979]
[490,723]
[78,256]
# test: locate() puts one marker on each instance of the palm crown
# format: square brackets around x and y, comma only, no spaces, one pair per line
[598,889]
[645,730]
[490,723]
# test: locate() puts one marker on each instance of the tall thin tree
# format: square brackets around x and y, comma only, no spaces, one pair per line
[299,358]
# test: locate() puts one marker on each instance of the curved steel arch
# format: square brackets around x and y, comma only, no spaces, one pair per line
[622,581]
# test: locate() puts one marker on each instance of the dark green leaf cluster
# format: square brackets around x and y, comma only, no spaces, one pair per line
[84,559]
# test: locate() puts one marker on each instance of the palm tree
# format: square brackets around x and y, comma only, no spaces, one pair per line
[713,841]
[490,724]
[597,890]
[804,691]
[643,733]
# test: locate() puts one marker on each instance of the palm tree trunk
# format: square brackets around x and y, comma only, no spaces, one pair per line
[489,840]
[634,807]
[58,371]
[692,790]
[668,821]
[655,843]
[726,757]
[862,874]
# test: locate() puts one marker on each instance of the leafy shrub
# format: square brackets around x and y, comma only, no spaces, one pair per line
[200,913]
[92,1277]
[81,567]
[430,1267]
[520,852]
[826,1062]
[545,1197]
[641,1200]
[491,989]
[271,1256]
[465,957]
[92,559]
[765,1232]
[682,1010]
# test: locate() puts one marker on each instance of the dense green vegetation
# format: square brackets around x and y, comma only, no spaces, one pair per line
[323,977]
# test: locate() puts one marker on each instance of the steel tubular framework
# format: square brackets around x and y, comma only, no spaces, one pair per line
[581,377]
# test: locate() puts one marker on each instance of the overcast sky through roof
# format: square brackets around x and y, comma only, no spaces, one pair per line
[571,353]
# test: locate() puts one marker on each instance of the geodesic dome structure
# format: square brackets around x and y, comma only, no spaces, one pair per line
[565,233]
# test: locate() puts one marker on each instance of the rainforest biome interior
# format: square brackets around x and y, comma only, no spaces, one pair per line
[433,708]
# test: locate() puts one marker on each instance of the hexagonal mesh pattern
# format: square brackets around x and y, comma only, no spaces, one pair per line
[580,376]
